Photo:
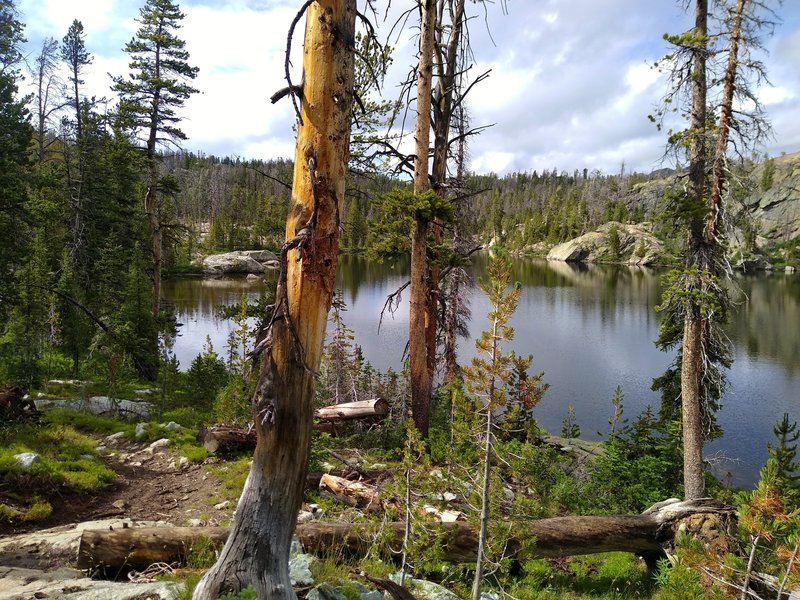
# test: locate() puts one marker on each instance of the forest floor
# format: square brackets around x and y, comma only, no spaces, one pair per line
[148,486]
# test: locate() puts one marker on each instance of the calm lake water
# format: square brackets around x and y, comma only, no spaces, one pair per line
[589,328]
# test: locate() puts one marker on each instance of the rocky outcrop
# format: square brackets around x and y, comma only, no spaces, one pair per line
[776,210]
[241,262]
[636,246]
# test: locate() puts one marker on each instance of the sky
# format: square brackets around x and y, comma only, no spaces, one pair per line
[571,84]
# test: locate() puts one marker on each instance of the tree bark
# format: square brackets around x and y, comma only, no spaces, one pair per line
[419,317]
[652,531]
[257,551]
[692,365]
[715,204]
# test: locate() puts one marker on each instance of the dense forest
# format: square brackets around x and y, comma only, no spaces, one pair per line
[457,482]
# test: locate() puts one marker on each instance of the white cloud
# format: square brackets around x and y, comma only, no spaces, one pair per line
[570,84]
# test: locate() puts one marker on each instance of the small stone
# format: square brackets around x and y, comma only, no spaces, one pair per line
[119,504]
[373,595]
[158,445]
[296,547]
[100,449]
[305,516]
[26,460]
[183,461]
[171,426]
[196,523]
[300,569]
[141,431]
[172,465]
[379,466]
[115,437]
[136,464]
[87,456]
[508,493]
[223,505]
[325,591]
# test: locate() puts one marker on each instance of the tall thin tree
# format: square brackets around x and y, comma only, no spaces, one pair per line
[149,97]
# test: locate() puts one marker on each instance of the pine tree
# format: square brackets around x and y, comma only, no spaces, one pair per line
[785,452]
[74,54]
[149,99]
[16,139]
[489,379]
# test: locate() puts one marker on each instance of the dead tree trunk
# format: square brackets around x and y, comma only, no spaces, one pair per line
[419,318]
[652,531]
[257,551]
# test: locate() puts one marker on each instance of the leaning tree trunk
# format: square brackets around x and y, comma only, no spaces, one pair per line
[715,204]
[419,317]
[257,551]
[692,364]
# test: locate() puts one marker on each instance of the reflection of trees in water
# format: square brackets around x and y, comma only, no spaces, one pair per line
[765,318]
[354,271]
[194,297]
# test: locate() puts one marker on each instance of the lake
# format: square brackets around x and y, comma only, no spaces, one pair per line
[590,328]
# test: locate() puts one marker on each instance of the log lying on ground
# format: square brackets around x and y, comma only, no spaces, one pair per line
[353,493]
[347,411]
[652,531]
[224,439]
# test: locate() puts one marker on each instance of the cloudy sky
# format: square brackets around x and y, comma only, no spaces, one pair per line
[571,81]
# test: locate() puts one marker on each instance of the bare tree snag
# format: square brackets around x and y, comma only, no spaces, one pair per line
[715,205]
[257,551]
[652,531]
[419,317]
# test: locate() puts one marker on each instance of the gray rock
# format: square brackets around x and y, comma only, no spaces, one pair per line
[300,569]
[424,588]
[141,431]
[789,269]
[637,246]
[115,437]
[231,263]
[196,523]
[325,591]
[183,462]
[254,277]
[171,426]
[223,505]
[371,595]
[26,460]
[100,405]
[262,256]
[31,583]
[158,445]
[296,546]
[119,504]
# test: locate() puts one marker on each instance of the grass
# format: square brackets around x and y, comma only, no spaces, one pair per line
[232,476]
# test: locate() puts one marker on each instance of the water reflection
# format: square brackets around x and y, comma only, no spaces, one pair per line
[589,327]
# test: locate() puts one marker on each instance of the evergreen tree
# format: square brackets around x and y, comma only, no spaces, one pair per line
[74,54]
[15,139]
[494,377]
[785,452]
[149,99]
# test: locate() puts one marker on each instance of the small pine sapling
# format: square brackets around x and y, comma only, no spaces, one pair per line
[489,379]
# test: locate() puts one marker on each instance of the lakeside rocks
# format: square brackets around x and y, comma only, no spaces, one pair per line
[637,246]
[242,262]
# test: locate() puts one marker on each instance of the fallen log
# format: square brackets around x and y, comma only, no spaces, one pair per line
[363,409]
[223,439]
[652,531]
[353,493]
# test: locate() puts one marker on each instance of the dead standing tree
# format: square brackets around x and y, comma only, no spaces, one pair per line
[257,551]
[442,54]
